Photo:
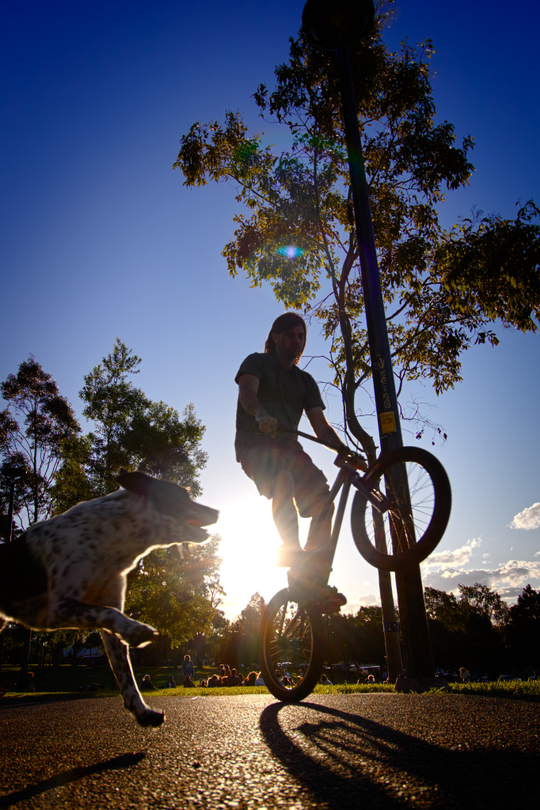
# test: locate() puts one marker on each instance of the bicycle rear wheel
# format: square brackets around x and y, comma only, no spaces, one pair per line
[410,530]
[291,632]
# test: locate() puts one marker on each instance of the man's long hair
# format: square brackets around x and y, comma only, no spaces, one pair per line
[282,324]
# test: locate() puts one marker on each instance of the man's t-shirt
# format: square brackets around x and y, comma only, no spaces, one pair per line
[284,393]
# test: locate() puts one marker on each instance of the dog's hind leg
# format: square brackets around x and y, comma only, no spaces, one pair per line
[117,653]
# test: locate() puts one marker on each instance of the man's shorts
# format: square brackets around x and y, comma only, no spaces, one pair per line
[266,459]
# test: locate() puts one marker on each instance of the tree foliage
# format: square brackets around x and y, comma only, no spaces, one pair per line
[33,426]
[176,594]
[443,289]
[130,431]
[524,628]
[471,628]
[241,643]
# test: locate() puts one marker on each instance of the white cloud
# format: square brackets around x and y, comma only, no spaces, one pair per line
[508,579]
[362,601]
[528,519]
[457,557]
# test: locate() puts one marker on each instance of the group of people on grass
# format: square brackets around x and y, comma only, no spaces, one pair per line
[228,676]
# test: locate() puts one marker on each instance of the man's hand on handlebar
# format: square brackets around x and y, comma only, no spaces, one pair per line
[267,424]
[346,456]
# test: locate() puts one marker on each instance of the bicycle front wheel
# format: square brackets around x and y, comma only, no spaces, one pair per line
[411,528]
[291,633]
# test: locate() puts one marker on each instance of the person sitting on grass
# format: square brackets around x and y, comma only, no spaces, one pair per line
[147,683]
[25,684]
[232,679]
[188,683]
[214,681]
[170,683]
[260,680]
[250,680]
[325,681]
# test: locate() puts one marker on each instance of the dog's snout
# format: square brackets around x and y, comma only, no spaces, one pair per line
[204,516]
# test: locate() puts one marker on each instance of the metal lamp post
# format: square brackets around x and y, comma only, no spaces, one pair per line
[337,25]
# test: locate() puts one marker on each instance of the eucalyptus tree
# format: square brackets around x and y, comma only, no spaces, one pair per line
[444,289]
[36,421]
[129,430]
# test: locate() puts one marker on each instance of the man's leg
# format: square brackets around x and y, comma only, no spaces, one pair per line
[320,530]
[285,516]
[310,571]
[319,563]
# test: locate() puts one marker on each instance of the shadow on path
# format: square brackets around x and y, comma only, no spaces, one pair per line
[73,775]
[343,758]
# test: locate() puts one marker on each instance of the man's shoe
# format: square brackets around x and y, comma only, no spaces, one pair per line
[332,601]
[304,589]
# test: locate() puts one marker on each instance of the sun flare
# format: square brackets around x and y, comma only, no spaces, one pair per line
[249,541]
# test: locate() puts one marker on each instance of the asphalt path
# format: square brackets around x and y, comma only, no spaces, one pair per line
[331,751]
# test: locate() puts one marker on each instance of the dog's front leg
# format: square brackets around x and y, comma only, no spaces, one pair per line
[70,612]
[117,653]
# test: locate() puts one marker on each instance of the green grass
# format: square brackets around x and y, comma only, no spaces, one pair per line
[67,680]
[496,688]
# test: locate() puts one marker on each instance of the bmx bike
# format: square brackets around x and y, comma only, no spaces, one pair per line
[399,513]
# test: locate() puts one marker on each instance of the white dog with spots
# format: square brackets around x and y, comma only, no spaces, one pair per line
[70,571]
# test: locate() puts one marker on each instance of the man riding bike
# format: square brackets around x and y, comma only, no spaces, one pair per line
[273,395]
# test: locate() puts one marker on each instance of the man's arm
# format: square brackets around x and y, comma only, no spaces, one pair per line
[328,435]
[323,430]
[248,387]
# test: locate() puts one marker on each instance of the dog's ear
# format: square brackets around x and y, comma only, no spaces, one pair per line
[137,482]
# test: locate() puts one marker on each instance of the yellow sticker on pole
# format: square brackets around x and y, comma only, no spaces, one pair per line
[387,422]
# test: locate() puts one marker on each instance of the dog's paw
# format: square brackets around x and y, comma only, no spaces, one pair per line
[141,635]
[150,719]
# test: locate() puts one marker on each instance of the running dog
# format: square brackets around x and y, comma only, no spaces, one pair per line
[70,571]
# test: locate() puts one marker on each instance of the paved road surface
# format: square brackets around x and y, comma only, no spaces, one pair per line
[332,751]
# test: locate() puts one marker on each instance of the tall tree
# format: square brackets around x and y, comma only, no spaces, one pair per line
[33,426]
[468,630]
[443,289]
[130,431]
[483,601]
[524,629]
[175,593]
[240,646]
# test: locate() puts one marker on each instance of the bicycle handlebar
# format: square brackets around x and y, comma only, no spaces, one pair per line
[283,429]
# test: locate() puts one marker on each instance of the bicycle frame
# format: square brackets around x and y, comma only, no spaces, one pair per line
[347,477]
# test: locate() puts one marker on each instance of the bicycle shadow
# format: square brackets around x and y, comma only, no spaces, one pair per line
[67,777]
[341,757]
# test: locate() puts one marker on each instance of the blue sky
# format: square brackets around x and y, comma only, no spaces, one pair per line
[99,238]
